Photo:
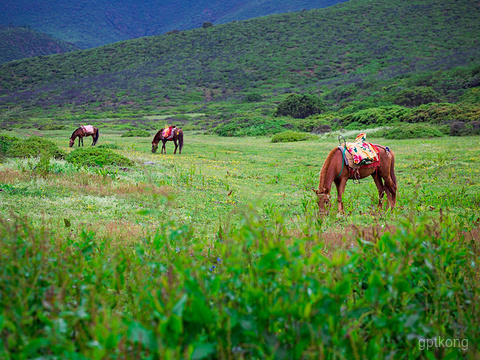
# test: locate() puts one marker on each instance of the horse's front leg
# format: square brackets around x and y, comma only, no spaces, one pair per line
[164,149]
[79,138]
[176,146]
[340,184]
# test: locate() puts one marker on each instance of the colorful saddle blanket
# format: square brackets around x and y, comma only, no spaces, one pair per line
[361,152]
[167,132]
[88,129]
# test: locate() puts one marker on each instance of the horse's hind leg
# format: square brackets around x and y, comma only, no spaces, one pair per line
[380,187]
[391,188]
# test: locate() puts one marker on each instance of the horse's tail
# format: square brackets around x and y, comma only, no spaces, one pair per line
[97,134]
[180,140]
[392,169]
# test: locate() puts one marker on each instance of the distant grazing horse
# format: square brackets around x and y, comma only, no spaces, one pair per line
[334,170]
[177,136]
[82,131]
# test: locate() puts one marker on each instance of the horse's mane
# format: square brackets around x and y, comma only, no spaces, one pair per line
[158,135]
[74,132]
[326,165]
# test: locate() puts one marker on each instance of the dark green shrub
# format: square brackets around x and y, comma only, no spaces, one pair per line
[417,96]
[322,129]
[34,146]
[6,142]
[136,133]
[460,128]
[457,128]
[252,97]
[300,106]
[291,136]
[94,156]
[411,131]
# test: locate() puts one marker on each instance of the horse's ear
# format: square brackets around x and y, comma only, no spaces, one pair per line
[316,191]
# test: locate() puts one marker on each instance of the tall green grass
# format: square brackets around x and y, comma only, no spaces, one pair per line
[254,293]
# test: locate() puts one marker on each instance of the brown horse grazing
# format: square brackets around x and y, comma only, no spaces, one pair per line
[177,136]
[334,171]
[82,131]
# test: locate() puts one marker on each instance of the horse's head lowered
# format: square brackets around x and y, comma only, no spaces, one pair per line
[323,200]
[154,147]
[72,141]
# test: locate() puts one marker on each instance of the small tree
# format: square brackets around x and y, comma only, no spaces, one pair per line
[252,97]
[300,106]
[207,24]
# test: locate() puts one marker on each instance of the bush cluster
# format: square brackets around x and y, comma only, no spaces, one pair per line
[431,113]
[34,146]
[416,96]
[300,106]
[6,142]
[444,112]
[291,136]
[376,116]
[409,131]
[94,156]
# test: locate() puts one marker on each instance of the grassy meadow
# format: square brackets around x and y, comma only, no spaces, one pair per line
[220,253]
[217,179]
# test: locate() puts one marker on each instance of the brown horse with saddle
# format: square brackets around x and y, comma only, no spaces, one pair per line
[357,161]
[82,131]
[171,133]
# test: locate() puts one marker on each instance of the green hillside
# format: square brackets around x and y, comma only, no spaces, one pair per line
[18,43]
[91,23]
[353,62]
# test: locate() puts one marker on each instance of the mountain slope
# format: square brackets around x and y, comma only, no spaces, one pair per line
[18,43]
[333,51]
[91,23]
